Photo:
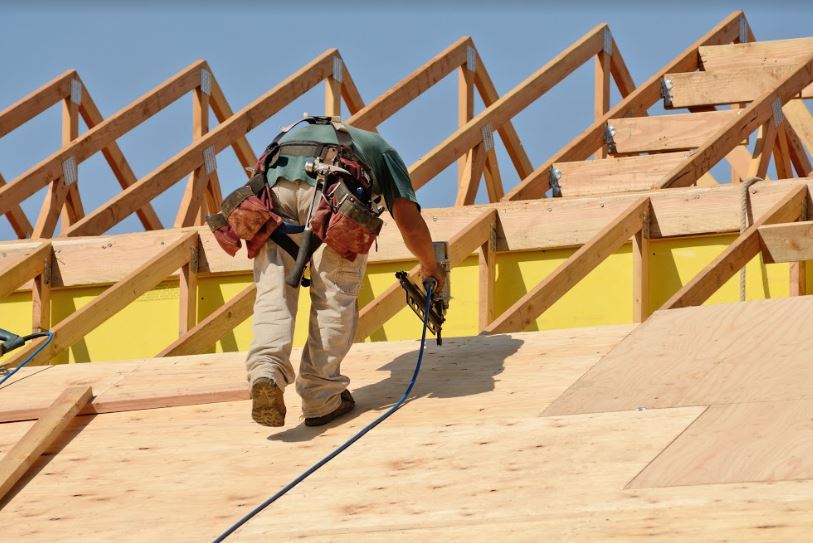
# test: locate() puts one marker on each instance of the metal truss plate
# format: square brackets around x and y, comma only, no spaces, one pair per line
[209,159]
[338,69]
[70,171]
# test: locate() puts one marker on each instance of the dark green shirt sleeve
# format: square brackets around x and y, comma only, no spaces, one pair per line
[393,180]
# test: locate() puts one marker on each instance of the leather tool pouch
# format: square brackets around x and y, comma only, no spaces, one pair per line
[245,214]
[345,223]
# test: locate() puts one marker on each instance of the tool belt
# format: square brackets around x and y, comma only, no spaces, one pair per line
[344,222]
[245,214]
[345,216]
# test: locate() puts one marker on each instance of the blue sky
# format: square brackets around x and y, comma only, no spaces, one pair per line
[124,50]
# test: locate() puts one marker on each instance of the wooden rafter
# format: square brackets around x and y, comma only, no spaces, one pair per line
[27,265]
[528,308]
[114,299]
[117,162]
[499,112]
[725,139]
[455,56]
[412,86]
[527,225]
[16,462]
[635,104]
[31,105]
[17,218]
[100,136]
[211,329]
[736,255]
[171,171]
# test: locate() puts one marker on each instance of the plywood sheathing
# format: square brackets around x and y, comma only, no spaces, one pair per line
[719,354]
[471,457]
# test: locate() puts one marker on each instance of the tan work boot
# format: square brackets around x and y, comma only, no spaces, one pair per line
[267,403]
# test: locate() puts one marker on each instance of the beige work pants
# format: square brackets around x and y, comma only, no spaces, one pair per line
[333,316]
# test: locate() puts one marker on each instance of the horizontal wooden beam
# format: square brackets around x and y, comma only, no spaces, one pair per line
[667,132]
[528,308]
[114,299]
[171,171]
[501,111]
[524,226]
[727,86]
[100,405]
[19,459]
[21,266]
[635,104]
[610,175]
[100,136]
[211,329]
[738,129]
[736,255]
[791,242]
[755,54]
[34,103]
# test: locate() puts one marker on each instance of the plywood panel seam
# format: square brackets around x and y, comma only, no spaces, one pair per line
[629,486]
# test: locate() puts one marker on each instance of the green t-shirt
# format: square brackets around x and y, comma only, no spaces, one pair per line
[390,174]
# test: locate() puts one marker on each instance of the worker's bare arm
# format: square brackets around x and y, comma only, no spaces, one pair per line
[417,238]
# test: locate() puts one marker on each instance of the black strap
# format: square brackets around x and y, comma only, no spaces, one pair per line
[306,148]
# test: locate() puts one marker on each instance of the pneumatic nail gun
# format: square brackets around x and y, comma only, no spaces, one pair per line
[416,298]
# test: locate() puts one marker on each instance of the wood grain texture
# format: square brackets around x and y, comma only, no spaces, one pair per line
[99,137]
[736,255]
[71,329]
[542,296]
[727,86]
[493,468]
[511,103]
[766,441]
[756,54]
[667,132]
[142,384]
[710,355]
[17,218]
[609,175]
[412,86]
[31,105]
[789,242]
[634,104]
[170,172]
[723,141]
[16,461]
[524,225]
[18,267]
[211,329]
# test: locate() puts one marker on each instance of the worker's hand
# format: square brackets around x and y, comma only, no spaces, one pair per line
[431,269]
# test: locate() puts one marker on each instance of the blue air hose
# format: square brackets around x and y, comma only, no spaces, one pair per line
[429,288]
[30,357]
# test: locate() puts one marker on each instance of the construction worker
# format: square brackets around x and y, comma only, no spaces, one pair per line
[335,283]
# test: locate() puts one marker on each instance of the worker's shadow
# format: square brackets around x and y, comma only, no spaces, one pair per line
[461,367]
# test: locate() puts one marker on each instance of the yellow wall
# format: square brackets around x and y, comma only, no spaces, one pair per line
[604,297]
